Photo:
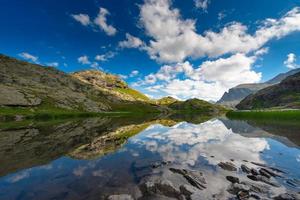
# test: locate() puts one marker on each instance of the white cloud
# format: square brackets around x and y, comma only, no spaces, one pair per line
[175,39]
[84,60]
[101,22]
[53,64]
[105,57]
[203,4]
[95,65]
[83,19]
[131,42]
[134,73]
[208,81]
[28,56]
[290,62]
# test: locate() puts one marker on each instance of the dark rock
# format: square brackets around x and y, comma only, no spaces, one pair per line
[243,195]
[265,173]
[245,169]
[196,179]
[254,172]
[227,166]
[263,179]
[233,179]
[187,190]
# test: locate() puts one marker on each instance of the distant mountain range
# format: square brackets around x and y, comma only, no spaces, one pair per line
[31,86]
[235,95]
[286,94]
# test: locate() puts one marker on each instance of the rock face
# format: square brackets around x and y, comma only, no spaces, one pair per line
[284,95]
[26,84]
[238,93]
[110,84]
[235,95]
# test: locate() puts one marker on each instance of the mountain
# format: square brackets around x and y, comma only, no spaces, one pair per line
[32,88]
[282,76]
[31,85]
[286,94]
[196,106]
[166,100]
[237,94]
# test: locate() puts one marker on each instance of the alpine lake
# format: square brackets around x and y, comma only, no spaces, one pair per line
[150,157]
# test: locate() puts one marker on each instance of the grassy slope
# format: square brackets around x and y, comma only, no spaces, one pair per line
[293,115]
[134,93]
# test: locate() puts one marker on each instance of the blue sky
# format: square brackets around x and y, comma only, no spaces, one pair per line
[185,49]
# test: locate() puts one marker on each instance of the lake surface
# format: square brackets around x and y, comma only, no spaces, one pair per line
[115,158]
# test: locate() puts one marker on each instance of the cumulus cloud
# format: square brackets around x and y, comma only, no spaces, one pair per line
[101,21]
[175,39]
[134,73]
[83,19]
[105,57]
[203,140]
[84,60]
[202,4]
[290,62]
[28,56]
[131,42]
[208,81]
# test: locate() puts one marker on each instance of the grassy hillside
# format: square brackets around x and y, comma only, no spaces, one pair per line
[196,106]
[283,95]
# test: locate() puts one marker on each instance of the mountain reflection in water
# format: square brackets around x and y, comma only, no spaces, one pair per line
[147,158]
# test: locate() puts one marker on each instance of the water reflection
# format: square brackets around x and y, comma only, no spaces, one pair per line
[95,158]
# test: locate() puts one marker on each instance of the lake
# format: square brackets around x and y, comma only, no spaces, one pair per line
[179,157]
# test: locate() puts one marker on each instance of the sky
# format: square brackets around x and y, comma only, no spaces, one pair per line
[185,49]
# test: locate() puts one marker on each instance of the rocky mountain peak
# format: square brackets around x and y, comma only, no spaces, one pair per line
[100,79]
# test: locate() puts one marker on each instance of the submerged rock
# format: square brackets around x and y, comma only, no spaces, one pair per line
[196,179]
[227,166]
[233,179]
[160,187]
[245,169]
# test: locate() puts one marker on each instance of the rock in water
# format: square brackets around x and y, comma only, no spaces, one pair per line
[196,179]
[233,179]
[227,166]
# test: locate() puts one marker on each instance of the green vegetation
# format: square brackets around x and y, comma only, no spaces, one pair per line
[42,113]
[197,106]
[293,115]
[135,94]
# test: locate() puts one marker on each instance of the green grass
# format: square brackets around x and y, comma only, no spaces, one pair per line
[10,113]
[265,114]
[134,93]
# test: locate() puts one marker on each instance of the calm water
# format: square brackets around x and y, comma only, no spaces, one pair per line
[96,158]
